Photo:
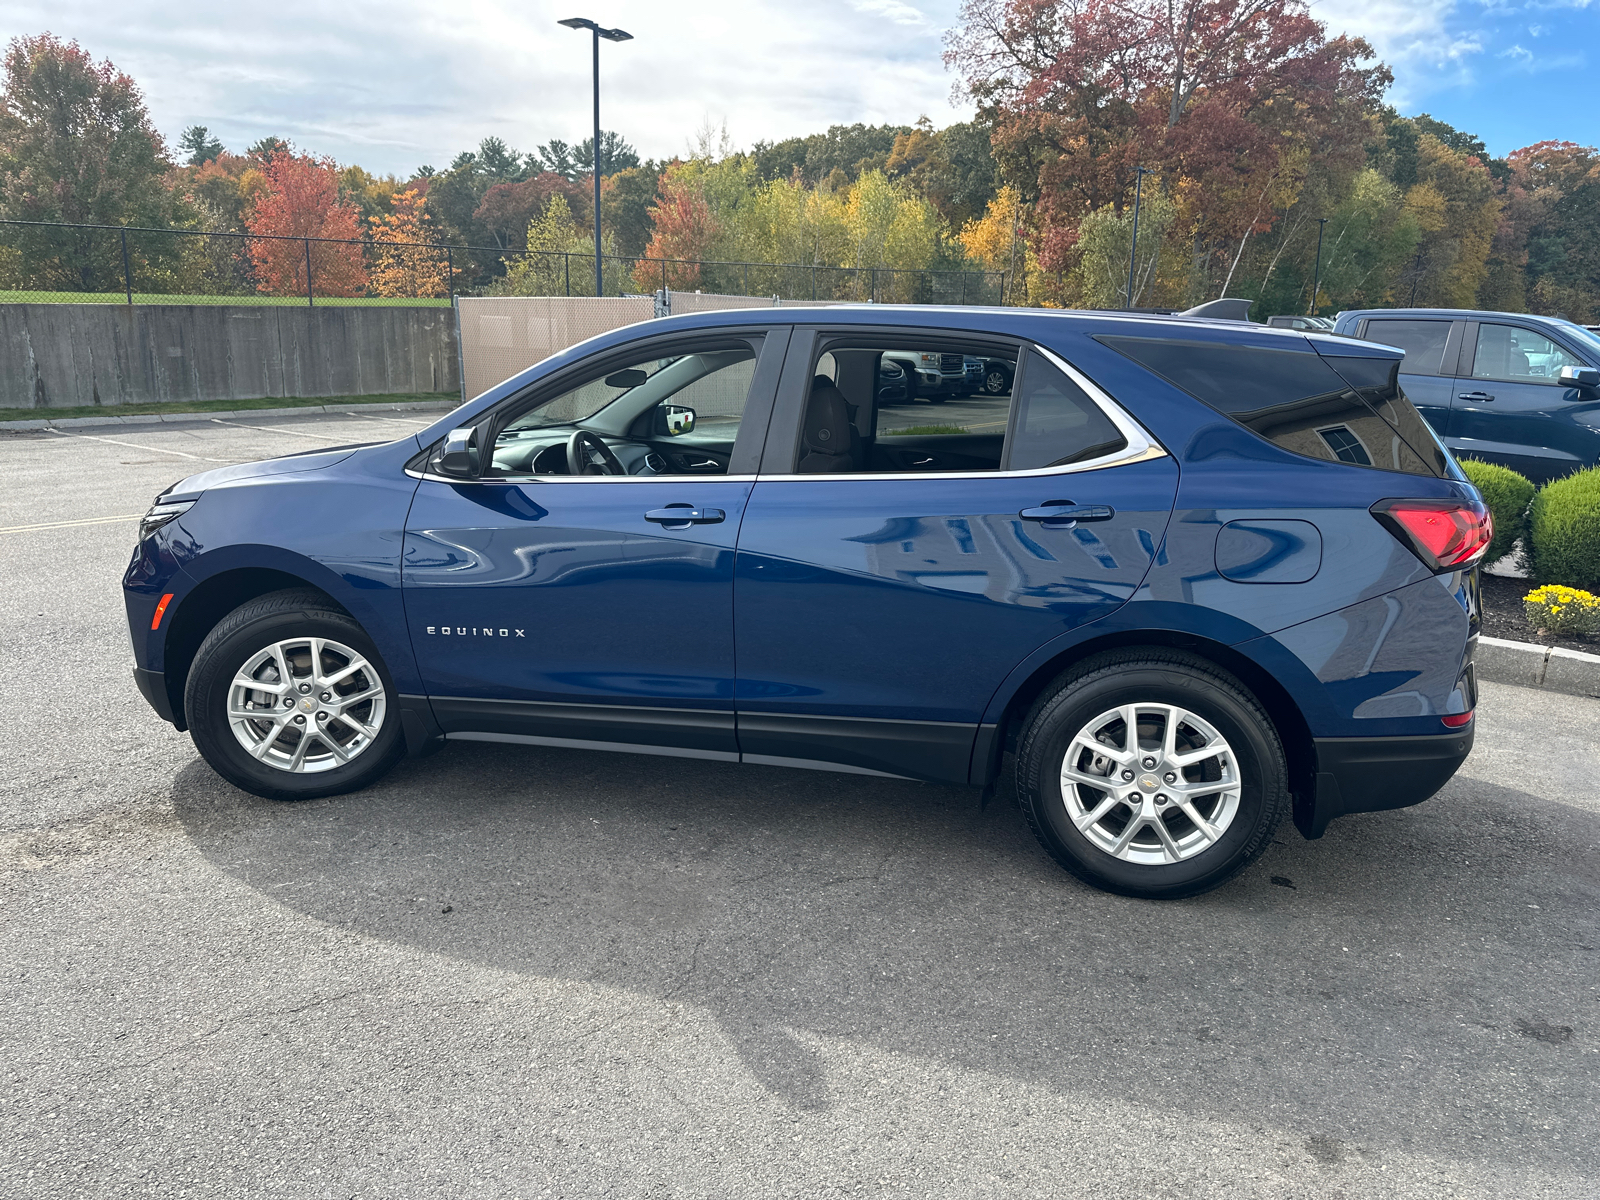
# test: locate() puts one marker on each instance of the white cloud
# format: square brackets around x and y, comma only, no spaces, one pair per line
[1517,53]
[900,14]
[392,84]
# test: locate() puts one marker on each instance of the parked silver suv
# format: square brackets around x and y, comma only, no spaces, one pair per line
[935,376]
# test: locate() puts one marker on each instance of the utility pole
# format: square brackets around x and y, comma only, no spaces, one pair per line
[1316,278]
[1133,255]
[611,35]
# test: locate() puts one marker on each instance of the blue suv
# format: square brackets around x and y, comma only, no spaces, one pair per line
[1509,388]
[1151,581]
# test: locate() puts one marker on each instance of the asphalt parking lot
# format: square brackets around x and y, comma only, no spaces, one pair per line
[523,972]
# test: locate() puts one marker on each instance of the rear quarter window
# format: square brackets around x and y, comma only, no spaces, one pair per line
[1298,402]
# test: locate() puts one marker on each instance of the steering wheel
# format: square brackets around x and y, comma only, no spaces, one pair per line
[587,454]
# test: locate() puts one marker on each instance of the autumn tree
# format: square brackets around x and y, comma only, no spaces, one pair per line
[1556,189]
[625,200]
[1230,100]
[76,145]
[507,208]
[684,229]
[302,203]
[404,261]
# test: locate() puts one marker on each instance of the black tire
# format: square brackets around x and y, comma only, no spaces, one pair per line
[996,382]
[242,634]
[1152,676]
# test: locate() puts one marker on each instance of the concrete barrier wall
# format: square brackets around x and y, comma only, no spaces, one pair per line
[503,335]
[66,355]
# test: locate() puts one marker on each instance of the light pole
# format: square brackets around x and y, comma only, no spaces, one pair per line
[1133,255]
[611,35]
[1316,278]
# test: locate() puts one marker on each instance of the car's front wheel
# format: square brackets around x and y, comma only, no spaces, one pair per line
[1151,773]
[996,382]
[288,699]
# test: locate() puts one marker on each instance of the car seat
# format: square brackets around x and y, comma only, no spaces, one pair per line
[829,441]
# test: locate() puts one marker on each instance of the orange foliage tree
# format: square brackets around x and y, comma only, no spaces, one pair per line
[398,269]
[301,201]
[685,228]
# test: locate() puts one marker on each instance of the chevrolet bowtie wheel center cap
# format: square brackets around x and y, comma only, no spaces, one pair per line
[1149,783]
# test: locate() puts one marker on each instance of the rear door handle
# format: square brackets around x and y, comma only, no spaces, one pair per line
[684,515]
[1063,513]
[1482,397]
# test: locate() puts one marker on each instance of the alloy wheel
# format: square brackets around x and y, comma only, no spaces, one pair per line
[1150,783]
[994,382]
[306,705]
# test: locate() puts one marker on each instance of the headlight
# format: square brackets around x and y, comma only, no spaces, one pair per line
[160,513]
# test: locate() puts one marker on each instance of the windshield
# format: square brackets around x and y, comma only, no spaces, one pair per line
[1587,338]
[583,402]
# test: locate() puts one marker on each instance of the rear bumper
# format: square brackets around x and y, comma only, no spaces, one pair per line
[1356,775]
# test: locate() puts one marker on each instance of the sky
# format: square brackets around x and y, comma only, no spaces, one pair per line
[398,84]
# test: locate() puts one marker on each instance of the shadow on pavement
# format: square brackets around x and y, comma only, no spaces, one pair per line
[1393,984]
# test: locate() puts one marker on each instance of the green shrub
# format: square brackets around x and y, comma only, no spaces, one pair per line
[1564,531]
[1507,494]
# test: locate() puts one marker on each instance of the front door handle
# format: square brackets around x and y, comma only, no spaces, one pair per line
[1065,513]
[1481,397]
[684,515]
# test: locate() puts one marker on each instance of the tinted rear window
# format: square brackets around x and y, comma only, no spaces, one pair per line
[1297,401]
[1423,342]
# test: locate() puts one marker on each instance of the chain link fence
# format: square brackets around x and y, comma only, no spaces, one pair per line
[50,262]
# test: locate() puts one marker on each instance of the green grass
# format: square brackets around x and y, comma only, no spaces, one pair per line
[921,430]
[250,298]
[205,406]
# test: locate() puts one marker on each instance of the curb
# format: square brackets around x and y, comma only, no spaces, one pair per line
[176,418]
[1527,664]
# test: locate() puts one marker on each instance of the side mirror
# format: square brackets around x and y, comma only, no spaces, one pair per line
[1584,378]
[458,456]
[673,420]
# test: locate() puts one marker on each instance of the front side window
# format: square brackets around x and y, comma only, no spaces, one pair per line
[1292,397]
[1423,342]
[1516,355]
[671,414]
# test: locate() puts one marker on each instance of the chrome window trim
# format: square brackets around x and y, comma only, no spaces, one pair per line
[520,480]
[1141,446]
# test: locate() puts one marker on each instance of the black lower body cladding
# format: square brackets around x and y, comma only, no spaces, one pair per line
[1357,775]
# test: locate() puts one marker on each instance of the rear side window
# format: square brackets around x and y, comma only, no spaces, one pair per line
[1055,421]
[1297,401]
[1423,342]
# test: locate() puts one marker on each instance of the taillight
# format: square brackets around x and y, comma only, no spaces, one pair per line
[1457,720]
[1447,535]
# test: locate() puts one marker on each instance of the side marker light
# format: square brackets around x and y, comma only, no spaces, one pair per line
[161,608]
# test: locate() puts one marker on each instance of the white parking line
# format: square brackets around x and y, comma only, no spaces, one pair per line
[69,524]
[391,420]
[89,437]
[320,437]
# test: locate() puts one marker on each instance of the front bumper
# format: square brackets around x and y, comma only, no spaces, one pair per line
[1372,774]
[152,686]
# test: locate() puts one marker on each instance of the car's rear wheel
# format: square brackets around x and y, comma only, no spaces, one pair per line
[288,699]
[996,382]
[1151,773]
